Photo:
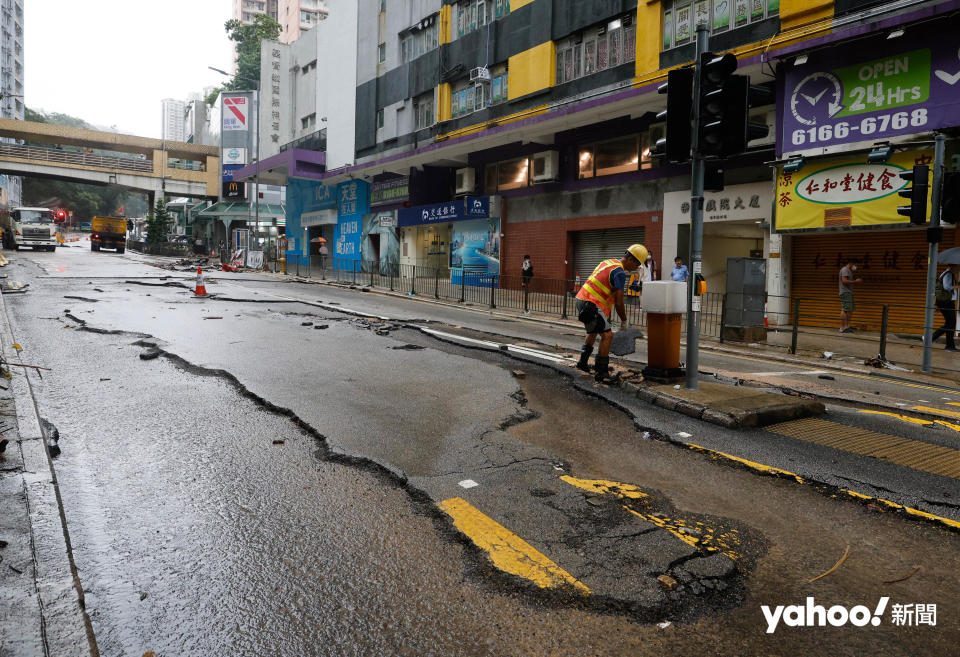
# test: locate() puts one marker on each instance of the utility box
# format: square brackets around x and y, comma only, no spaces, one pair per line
[664,302]
[745,300]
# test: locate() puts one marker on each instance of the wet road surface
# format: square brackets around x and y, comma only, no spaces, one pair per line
[196,532]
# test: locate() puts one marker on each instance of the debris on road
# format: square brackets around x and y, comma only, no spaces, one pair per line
[320,327]
[826,377]
[667,582]
[13,287]
[519,374]
[149,354]
[913,572]
[625,341]
[306,323]
[410,347]
[213,317]
[278,442]
[846,553]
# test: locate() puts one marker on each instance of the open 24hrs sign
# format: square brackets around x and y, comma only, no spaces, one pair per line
[914,89]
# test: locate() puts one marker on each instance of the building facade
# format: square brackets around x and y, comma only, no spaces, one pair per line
[172,116]
[11,84]
[544,113]
[295,16]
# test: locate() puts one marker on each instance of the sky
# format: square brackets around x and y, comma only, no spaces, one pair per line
[112,62]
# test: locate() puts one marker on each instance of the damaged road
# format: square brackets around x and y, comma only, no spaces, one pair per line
[382,487]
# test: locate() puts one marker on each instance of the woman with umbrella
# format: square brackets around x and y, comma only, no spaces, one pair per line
[945,297]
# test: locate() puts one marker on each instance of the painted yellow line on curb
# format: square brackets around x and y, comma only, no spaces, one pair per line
[913,420]
[936,411]
[906,509]
[759,467]
[509,552]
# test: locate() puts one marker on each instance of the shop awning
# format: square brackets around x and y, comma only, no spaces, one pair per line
[278,169]
[232,210]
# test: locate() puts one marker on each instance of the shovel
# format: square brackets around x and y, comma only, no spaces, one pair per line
[625,341]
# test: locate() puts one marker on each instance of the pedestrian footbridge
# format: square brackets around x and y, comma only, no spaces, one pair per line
[153,166]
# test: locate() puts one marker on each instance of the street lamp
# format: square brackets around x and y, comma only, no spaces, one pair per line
[256,175]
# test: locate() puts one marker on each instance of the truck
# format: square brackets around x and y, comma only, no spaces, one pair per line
[33,227]
[108,232]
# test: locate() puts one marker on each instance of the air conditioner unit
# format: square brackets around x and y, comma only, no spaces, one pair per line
[769,117]
[466,180]
[546,166]
[480,74]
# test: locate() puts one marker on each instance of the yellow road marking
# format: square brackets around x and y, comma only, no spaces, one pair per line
[604,487]
[759,467]
[936,411]
[509,552]
[703,536]
[914,420]
[913,512]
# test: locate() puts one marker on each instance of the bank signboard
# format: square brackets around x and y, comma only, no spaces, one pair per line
[882,90]
[845,193]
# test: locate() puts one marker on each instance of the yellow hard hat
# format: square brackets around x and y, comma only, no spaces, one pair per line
[638,251]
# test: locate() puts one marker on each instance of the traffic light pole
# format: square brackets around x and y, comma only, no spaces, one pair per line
[939,151]
[696,223]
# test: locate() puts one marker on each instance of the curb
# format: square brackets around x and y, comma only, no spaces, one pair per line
[64,623]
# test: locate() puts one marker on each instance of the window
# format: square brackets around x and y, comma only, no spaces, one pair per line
[603,46]
[501,8]
[419,39]
[383,5]
[621,155]
[681,17]
[467,96]
[379,119]
[472,14]
[382,53]
[423,111]
[310,66]
[513,174]
[308,121]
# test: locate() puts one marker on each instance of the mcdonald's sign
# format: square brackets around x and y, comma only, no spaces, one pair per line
[234,190]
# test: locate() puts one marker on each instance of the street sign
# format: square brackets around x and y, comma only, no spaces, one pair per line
[234,190]
[236,110]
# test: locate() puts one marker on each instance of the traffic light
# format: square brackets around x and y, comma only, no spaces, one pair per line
[60,217]
[950,195]
[715,93]
[917,210]
[679,90]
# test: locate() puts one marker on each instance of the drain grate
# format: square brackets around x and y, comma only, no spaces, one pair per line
[934,459]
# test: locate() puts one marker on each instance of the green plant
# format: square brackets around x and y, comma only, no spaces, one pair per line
[157,222]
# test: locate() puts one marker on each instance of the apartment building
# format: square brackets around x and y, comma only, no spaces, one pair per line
[11,84]
[295,16]
[172,115]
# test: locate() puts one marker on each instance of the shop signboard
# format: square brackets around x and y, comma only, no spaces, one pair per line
[845,193]
[234,156]
[396,190]
[471,207]
[892,88]
[752,201]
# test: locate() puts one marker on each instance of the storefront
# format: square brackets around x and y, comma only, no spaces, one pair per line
[463,234]
[736,224]
[311,216]
[353,202]
[833,209]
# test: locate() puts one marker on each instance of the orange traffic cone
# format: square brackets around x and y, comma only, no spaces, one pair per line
[766,322]
[201,290]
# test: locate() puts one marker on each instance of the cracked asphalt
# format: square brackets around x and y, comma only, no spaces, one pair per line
[268,486]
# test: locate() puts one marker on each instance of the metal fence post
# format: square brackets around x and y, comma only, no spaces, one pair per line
[796,326]
[526,298]
[883,332]
[492,304]
[413,281]
[563,309]
[463,286]
[436,283]
[723,316]
[391,278]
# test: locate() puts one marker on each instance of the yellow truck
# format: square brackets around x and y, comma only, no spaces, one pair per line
[108,232]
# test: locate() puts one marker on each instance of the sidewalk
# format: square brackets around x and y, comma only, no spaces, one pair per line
[41,606]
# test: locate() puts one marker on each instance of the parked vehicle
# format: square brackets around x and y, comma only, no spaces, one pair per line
[85,228]
[108,232]
[29,227]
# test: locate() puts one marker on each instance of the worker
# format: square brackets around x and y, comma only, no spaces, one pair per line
[598,296]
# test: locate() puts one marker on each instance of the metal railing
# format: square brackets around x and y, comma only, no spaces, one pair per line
[73,157]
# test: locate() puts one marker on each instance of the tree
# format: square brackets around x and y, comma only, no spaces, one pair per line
[157,222]
[248,39]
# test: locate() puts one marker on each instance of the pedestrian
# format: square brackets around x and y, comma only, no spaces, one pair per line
[946,298]
[649,270]
[526,271]
[222,252]
[198,246]
[846,293]
[323,255]
[598,296]
[679,272]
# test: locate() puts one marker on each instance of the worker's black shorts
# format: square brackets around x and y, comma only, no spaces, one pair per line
[594,321]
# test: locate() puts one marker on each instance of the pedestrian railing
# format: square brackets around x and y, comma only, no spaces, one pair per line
[794,323]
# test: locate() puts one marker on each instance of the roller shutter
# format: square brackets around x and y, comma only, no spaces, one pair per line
[893,266]
[590,247]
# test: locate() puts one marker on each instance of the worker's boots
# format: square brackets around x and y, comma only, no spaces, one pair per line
[602,367]
[585,352]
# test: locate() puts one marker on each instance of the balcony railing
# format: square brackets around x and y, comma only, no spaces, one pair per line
[73,157]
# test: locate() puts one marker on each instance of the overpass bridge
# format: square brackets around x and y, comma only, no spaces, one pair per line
[135,163]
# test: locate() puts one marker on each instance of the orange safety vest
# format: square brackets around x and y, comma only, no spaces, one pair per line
[598,290]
